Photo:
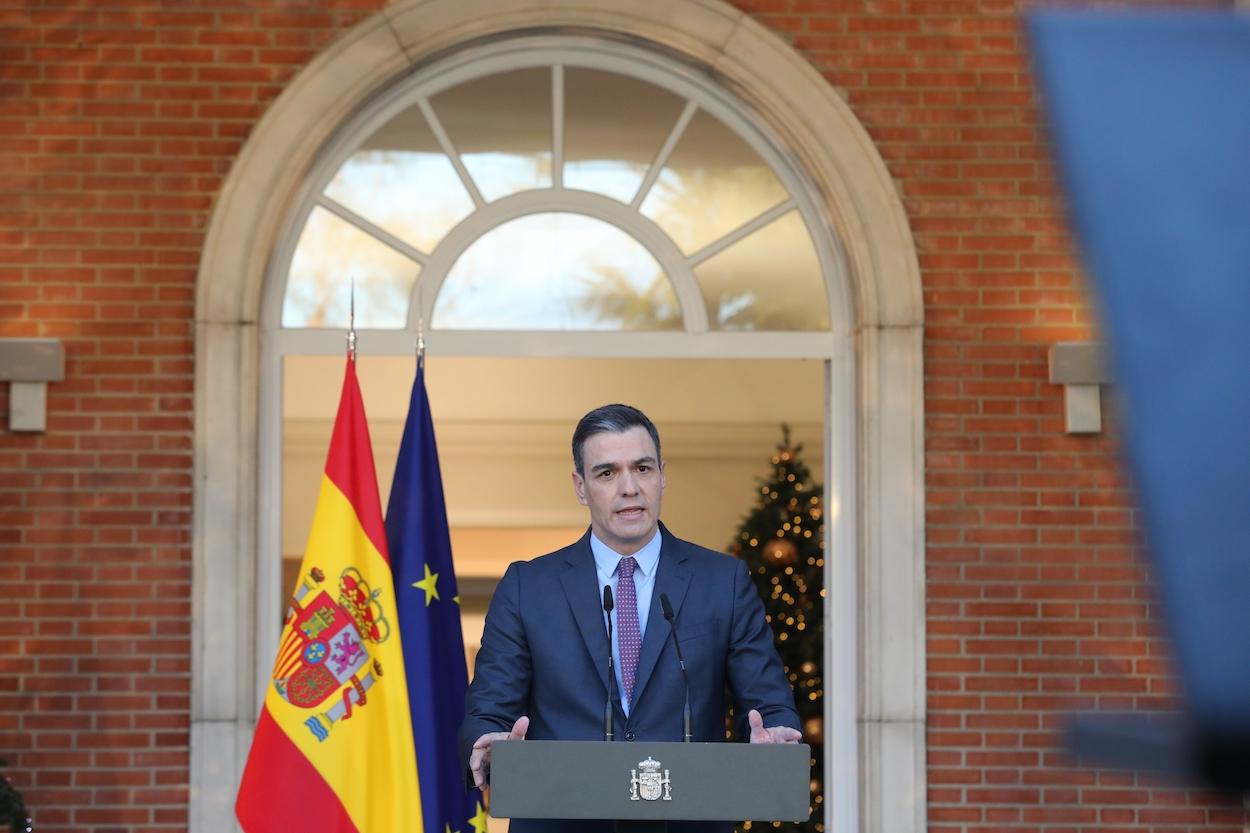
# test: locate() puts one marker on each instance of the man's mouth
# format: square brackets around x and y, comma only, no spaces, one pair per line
[630,512]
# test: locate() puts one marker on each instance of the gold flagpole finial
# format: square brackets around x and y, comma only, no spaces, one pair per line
[351,322]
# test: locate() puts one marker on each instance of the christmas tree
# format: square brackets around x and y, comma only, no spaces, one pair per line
[13,815]
[782,542]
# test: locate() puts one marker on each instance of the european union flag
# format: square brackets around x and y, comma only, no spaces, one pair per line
[429,620]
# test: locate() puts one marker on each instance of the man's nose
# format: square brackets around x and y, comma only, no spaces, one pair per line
[629,483]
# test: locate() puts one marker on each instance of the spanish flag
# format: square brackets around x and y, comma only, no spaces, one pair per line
[333,748]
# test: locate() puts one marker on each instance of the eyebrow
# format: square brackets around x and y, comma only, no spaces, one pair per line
[608,466]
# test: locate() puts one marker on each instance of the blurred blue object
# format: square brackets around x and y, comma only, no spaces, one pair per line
[1150,120]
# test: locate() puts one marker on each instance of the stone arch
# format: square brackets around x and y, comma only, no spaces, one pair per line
[876,599]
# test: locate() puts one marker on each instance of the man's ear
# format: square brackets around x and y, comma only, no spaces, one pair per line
[579,486]
[663,478]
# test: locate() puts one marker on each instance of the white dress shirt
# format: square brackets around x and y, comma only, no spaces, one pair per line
[648,559]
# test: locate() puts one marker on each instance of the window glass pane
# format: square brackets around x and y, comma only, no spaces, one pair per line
[712,183]
[769,280]
[613,128]
[556,272]
[501,127]
[400,180]
[330,254]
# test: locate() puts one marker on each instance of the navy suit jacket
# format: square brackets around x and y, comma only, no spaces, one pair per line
[545,654]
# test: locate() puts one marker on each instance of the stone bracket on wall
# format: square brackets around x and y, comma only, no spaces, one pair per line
[28,364]
[1080,367]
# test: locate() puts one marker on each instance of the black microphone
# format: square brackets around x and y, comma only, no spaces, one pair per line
[685,678]
[607,708]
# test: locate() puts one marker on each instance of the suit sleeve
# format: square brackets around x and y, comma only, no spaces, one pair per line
[500,690]
[756,675]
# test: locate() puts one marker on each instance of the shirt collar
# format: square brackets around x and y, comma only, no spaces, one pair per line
[606,557]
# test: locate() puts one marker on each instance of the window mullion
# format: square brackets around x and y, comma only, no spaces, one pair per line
[746,229]
[674,136]
[557,127]
[444,142]
[347,215]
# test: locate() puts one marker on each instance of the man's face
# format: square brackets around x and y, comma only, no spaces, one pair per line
[622,486]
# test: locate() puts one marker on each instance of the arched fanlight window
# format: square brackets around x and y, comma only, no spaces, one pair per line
[556,271]
[627,88]
[557,191]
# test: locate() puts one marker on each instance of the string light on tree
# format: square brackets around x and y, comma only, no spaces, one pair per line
[782,541]
[779,552]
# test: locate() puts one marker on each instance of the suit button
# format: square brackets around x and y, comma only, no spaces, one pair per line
[629,736]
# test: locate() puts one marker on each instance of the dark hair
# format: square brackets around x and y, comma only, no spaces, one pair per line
[615,419]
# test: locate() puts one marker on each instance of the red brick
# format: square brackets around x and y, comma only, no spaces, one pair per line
[121,122]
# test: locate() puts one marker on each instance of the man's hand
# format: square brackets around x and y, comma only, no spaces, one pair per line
[479,761]
[762,734]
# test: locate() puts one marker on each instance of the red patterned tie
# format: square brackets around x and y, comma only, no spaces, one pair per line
[628,636]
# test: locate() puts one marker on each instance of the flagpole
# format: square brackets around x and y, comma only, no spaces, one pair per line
[428,602]
[314,764]
[420,331]
[351,323]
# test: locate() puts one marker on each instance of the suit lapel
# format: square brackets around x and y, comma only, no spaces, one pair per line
[672,578]
[580,582]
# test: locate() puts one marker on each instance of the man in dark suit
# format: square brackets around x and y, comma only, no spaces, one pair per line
[542,670]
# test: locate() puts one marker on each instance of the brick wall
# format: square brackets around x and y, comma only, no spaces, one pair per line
[1037,601]
[118,122]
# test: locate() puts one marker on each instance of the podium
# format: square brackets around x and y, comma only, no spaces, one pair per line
[644,785]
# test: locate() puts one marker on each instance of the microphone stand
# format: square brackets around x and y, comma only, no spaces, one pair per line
[685,678]
[607,707]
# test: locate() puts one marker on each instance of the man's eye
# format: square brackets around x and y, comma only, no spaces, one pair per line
[604,475]
[643,469]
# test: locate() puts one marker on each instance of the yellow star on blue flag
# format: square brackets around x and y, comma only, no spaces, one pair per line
[479,819]
[429,584]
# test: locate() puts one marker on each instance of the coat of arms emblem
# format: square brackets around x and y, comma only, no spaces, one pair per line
[324,654]
[650,784]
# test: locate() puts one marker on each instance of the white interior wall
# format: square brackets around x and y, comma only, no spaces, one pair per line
[504,427]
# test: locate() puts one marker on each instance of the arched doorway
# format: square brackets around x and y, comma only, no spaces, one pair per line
[875,611]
